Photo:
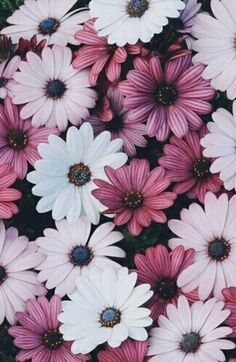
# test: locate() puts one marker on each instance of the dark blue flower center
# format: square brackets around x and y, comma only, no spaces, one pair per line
[110,317]
[190,342]
[55,89]
[201,168]
[136,8]
[3,274]
[3,82]
[81,255]
[79,174]
[166,95]
[133,200]
[167,288]
[48,26]
[17,139]
[53,339]
[219,249]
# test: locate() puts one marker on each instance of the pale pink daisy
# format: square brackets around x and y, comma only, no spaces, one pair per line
[191,334]
[71,251]
[19,139]
[212,233]
[7,69]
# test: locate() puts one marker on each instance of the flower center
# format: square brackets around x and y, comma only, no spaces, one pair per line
[201,168]
[190,342]
[55,89]
[110,317]
[79,174]
[81,255]
[48,26]
[136,8]
[53,339]
[3,274]
[17,139]
[166,95]
[133,200]
[219,249]
[3,82]
[167,288]
[115,125]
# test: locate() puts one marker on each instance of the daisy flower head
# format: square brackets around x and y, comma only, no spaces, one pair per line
[48,20]
[19,139]
[220,144]
[52,91]
[128,351]
[188,168]
[191,333]
[168,99]
[135,195]
[127,21]
[38,334]
[64,177]
[105,307]
[17,281]
[187,19]
[131,132]
[211,233]
[8,195]
[215,45]
[7,70]
[71,251]
[161,270]
[230,303]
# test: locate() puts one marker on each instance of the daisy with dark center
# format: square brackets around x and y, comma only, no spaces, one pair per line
[131,132]
[135,195]
[186,166]
[167,99]
[161,269]
[191,333]
[105,307]
[71,251]
[38,334]
[212,234]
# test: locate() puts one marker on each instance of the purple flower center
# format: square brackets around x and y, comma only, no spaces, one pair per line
[55,89]
[201,168]
[136,8]
[190,342]
[3,82]
[219,249]
[166,95]
[48,26]
[167,288]
[115,125]
[133,200]
[79,174]
[17,139]
[81,255]
[53,339]
[110,317]
[3,274]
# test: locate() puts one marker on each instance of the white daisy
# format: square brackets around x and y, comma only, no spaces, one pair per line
[105,308]
[127,21]
[191,334]
[47,19]
[71,252]
[7,70]
[212,234]
[220,143]
[215,44]
[51,90]
[64,176]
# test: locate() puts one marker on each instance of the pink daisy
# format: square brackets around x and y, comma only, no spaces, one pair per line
[131,132]
[168,99]
[19,139]
[161,269]
[185,165]
[230,303]
[7,69]
[99,54]
[8,195]
[38,334]
[135,194]
[128,351]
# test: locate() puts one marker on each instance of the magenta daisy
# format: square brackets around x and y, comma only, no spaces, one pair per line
[38,335]
[19,139]
[161,269]
[188,168]
[128,351]
[230,303]
[7,69]
[120,126]
[135,194]
[96,52]
[168,99]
